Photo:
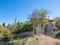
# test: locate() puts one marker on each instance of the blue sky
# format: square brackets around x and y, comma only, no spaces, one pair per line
[9,9]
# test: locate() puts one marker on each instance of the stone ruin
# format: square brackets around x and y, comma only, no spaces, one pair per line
[44,29]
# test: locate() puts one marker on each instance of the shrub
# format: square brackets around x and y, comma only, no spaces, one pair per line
[57,36]
[5,35]
[17,42]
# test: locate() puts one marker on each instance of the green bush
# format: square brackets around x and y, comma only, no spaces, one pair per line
[17,42]
[5,34]
[26,27]
[13,42]
[57,36]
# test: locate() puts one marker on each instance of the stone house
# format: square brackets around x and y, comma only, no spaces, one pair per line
[44,29]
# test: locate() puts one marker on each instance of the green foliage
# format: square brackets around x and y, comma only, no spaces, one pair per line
[20,26]
[23,27]
[57,22]
[54,27]
[45,21]
[57,35]
[37,17]
[5,34]
[17,42]
[6,37]
[13,42]
[3,24]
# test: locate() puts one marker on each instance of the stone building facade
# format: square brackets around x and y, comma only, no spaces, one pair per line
[44,29]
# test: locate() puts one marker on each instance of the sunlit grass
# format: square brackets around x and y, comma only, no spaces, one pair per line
[17,41]
[33,42]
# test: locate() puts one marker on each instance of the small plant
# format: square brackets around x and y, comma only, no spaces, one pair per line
[57,36]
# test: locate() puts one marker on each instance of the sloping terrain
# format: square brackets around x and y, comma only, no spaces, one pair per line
[45,40]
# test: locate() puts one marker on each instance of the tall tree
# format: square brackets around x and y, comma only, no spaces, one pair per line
[37,17]
[15,21]
[18,22]
[3,24]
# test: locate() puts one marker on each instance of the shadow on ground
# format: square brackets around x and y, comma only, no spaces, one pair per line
[57,43]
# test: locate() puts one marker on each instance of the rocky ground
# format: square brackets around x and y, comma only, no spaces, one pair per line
[45,40]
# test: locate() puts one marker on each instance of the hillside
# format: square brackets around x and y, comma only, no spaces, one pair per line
[45,40]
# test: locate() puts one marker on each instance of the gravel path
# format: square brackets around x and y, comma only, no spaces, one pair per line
[44,40]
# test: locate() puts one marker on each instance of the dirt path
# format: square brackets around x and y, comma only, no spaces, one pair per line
[44,40]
